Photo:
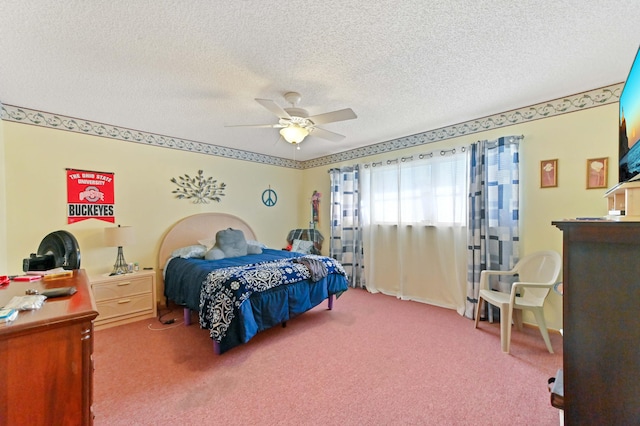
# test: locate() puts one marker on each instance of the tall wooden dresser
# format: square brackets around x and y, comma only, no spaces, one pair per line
[601,314]
[46,366]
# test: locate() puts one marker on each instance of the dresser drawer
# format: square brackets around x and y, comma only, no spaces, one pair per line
[124,306]
[122,287]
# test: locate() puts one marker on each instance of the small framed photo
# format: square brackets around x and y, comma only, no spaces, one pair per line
[549,173]
[597,173]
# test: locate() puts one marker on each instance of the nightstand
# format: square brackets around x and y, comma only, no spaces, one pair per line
[124,298]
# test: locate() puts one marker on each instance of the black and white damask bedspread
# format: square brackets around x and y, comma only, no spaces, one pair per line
[226,289]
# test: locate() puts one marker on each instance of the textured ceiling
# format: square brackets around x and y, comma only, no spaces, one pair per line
[188,68]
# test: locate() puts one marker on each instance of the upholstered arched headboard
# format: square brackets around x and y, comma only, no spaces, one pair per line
[202,226]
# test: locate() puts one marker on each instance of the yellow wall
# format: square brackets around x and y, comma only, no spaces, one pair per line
[33,189]
[571,138]
[36,159]
[3,204]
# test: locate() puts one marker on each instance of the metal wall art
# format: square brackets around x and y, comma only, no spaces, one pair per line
[198,188]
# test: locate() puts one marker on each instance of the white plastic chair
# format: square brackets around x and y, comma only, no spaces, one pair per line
[537,273]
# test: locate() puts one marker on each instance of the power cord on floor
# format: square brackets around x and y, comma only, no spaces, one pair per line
[172,322]
[173,325]
[160,315]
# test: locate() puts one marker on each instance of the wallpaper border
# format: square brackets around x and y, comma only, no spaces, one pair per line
[577,102]
[567,104]
[77,125]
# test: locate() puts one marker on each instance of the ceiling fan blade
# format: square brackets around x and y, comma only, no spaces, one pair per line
[271,126]
[273,107]
[325,134]
[330,117]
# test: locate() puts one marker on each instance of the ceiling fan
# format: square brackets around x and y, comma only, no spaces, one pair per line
[295,124]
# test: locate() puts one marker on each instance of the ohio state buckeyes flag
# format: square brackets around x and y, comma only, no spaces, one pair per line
[89,196]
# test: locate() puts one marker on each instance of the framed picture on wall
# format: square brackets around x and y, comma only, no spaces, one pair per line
[549,173]
[597,173]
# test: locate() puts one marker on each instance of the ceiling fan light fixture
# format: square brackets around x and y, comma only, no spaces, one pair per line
[294,134]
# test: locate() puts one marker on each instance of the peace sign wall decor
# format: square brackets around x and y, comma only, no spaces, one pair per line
[269,197]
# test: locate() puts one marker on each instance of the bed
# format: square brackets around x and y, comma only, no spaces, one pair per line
[237,297]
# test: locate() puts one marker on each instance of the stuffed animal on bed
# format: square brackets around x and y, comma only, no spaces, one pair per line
[231,243]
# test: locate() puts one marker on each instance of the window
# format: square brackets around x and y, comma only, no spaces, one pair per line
[427,192]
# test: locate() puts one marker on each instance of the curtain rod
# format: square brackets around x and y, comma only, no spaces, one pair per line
[510,139]
[420,156]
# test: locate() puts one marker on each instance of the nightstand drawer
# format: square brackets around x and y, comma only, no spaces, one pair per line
[124,306]
[122,287]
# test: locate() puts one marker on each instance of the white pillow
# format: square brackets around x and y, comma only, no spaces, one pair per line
[257,243]
[302,246]
[208,243]
[195,250]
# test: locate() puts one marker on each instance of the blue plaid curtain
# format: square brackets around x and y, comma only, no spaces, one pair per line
[493,222]
[346,232]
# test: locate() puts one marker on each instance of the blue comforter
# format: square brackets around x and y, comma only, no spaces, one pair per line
[238,297]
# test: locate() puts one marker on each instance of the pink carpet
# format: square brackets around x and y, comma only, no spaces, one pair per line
[373,360]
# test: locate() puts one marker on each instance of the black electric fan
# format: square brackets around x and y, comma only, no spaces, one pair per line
[57,249]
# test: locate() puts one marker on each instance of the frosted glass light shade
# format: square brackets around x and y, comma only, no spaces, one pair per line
[294,134]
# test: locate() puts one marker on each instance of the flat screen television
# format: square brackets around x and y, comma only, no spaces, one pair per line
[629,121]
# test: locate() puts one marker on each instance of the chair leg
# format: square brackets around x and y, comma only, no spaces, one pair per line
[505,327]
[478,306]
[517,318]
[542,325]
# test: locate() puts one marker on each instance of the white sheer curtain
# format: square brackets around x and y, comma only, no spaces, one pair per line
[414,215]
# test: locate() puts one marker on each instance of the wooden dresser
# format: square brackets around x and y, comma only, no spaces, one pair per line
[46,366]
[601,315]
